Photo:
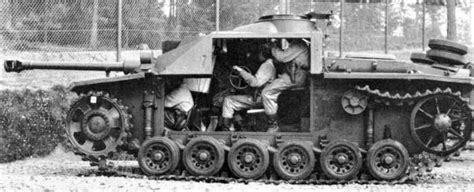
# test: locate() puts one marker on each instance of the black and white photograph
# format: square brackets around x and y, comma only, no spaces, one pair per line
[237,95]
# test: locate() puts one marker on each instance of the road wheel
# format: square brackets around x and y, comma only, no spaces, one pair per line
[248,159]
[341,160]
[451,46]
[387,160]
[294,161]
[421,58]
[158,156]
[203,156]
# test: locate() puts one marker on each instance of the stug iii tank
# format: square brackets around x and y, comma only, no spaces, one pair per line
[358,117]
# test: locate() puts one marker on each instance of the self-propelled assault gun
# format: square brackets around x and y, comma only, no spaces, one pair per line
[355,111]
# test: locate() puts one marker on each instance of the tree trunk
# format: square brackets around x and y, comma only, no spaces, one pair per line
[94,28]
[451,33]
[282,7]
[471,25]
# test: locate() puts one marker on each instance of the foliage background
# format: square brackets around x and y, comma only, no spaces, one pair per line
[32,122]
[59,25]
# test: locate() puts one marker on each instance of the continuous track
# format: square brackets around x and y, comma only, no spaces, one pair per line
[419,163]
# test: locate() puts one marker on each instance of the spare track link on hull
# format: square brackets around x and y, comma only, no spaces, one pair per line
[100,160]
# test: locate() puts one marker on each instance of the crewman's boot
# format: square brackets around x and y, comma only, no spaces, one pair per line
[272,124]
[226,124]
[180,123]
[133,145]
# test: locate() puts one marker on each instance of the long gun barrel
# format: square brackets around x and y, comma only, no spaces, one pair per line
[127,66]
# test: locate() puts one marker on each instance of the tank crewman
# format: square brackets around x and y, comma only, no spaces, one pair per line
[264,75]
[178,104]
[294,55]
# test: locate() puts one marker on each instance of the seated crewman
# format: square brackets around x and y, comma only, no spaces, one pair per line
[295,58]
[264,75]
[178,104]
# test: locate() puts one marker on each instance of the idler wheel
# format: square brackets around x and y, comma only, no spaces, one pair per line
[387,160]
[158,156]
[203,156]
[97,124]
[248,159]
[441,124]
[294,161]
[341,160]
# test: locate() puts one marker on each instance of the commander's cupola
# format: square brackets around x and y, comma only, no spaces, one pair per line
[280,23]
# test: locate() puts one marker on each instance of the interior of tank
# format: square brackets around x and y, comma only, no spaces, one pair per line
[294,108]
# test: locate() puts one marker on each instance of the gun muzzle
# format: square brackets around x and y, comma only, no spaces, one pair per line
[13,65]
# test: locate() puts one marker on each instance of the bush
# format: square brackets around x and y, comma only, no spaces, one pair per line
[32,122]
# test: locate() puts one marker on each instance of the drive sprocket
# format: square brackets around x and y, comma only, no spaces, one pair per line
[97,125]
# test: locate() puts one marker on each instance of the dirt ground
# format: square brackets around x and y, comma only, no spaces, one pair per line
[58,172]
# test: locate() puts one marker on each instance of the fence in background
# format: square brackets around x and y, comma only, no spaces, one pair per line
[91,25]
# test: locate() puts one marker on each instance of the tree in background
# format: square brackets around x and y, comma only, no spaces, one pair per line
[91,24]
[34,16]
[457,25]
[451,7]
[143,22]
[193,17]
[364,26]
[236,13]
